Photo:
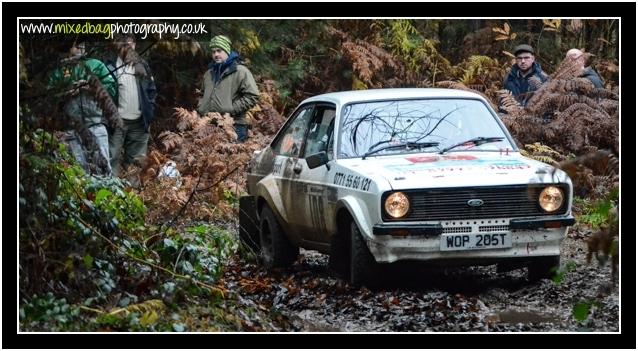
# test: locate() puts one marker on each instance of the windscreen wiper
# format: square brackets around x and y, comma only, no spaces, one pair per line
[474,141]
[407,145]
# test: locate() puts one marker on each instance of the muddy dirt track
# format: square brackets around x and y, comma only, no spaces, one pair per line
[310,297]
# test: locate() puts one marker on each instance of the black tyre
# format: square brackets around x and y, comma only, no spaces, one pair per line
[543,268]
[339,260]
[249,224]
[363,266]
[276,249]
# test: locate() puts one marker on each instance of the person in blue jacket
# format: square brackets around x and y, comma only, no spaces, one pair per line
[587,72]
[526,75]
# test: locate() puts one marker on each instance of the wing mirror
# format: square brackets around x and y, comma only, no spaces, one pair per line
[318,159]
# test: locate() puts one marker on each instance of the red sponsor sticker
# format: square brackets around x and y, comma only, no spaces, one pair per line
[420,159]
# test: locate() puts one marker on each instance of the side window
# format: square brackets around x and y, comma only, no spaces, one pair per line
[320,134]
[290,142]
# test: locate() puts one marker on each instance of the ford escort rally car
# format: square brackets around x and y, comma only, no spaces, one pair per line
[386,175]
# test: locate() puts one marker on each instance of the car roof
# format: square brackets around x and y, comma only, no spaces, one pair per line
[344,97]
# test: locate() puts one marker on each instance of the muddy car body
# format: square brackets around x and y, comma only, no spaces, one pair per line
[387,175]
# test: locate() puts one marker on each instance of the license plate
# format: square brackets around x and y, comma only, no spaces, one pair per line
[456,242]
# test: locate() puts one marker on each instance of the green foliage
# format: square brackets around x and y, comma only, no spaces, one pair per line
[286,51]
[248,42]
[296,70]
[65,217]
[56,192]
[420,54]
[148,321]
[480,69]
[596,213]
[542,153]
[126,208]
[199,252]
[404,42]
[231,197]
[47,312]
[85,237]
[582,310]
[560,273]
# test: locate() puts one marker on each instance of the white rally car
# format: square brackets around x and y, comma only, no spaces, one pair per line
[379,176]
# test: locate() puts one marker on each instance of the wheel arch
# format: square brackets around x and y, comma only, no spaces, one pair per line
[351,207]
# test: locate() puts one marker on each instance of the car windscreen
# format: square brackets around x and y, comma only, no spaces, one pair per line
[370,126]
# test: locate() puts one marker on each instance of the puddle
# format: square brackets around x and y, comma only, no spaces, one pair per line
[306,321]
[515,317]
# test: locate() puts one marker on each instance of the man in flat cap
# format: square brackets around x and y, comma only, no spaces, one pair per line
[526,75]
[228,86]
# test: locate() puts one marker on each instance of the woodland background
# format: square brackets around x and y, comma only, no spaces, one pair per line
[148,253]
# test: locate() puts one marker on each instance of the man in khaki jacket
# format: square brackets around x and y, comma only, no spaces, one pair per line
[228,86]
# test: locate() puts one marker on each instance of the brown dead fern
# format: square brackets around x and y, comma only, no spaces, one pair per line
[525,127]
[207,156]
[169,141]
[105,102]
[561,101]
[569,68]
[188,120]
[368,61]
[601,162]
[509,104]
[544,98]
[580,128]
[96,163]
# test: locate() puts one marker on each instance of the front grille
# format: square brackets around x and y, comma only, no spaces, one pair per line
[451,230]
[494,228]
[498,202]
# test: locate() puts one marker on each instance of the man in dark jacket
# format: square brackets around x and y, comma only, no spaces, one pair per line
[587,72]
[228,86]
[526,75]
[136,104]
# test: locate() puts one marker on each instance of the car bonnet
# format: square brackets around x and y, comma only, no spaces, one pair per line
[429,170]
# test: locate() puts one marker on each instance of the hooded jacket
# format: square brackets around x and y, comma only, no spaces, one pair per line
[229,87]
[82,107]
[519,85]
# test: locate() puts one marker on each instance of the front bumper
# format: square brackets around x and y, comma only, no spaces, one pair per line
[531,237]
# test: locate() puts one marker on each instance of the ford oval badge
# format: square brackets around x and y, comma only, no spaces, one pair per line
[475,202]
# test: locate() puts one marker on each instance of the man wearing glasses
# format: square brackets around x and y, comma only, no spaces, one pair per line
[526,75]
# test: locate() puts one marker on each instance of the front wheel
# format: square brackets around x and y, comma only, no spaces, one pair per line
[339,260]
[542,268]
[276,249]
[363,266]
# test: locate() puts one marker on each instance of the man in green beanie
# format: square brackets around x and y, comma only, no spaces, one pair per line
[228,86]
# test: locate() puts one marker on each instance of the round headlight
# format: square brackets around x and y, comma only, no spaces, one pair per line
[551,199]
[397,205]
